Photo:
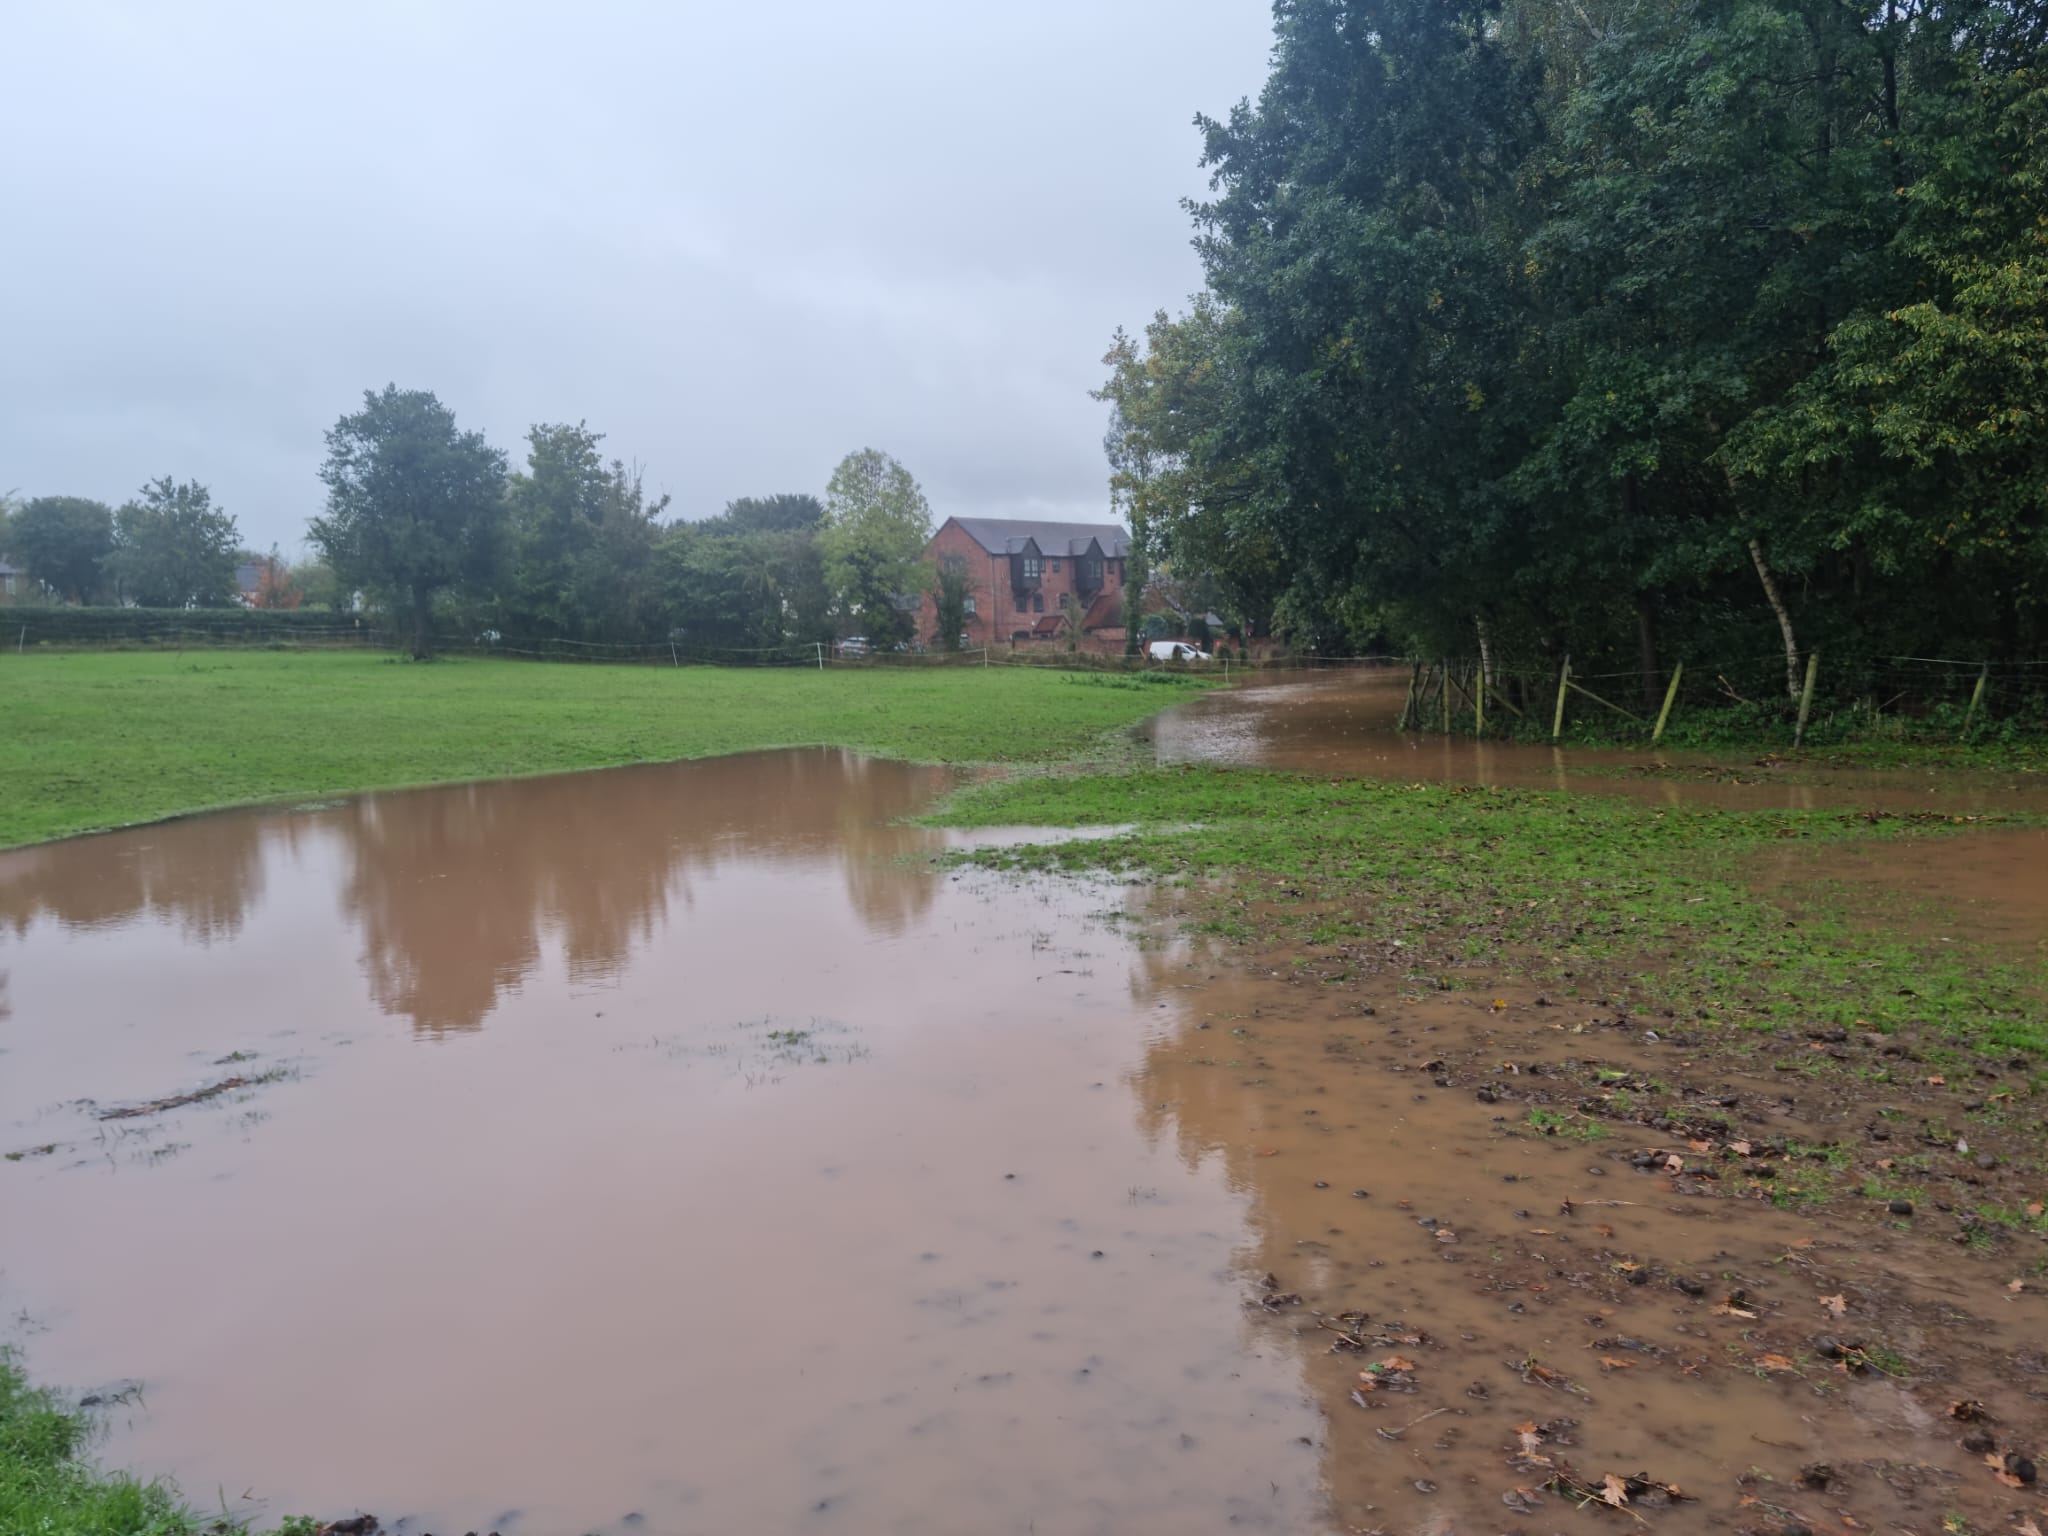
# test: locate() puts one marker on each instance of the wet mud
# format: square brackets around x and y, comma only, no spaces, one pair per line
[683,1149]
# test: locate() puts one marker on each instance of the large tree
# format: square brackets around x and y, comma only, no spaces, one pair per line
[64,541]
[415,506]
[583,540]
[174,549]
[877,525]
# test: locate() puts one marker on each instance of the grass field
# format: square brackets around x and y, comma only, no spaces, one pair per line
[1654,901]
[104,740]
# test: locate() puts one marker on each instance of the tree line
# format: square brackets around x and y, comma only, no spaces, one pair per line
[429,530]
[1615,328]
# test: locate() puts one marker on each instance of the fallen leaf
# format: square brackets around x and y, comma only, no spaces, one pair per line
[2036,1209]
[1613,1490]
[1837,1305]
[1729,1309]
[1701,1146]
[1398,1363]
[1802,1242]
[1604,1230]
[1937,1082]
[1674,1164]
[2016,1286]
[1739,1148]
[1774,1363]
[1609,1363]
[1996,1463]
[1886,1162]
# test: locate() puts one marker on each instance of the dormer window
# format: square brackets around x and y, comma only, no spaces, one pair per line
[1031,567]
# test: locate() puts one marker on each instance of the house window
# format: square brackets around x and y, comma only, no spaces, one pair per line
[1038,602]
[967,603]
[1055,567]
[1031,567]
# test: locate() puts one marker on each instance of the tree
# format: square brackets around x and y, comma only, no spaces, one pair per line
[174,549]
[275,588]
[64,541]
[784,513]
[950,598]
[322,589]
[583,541]
[415,506]
[877,523]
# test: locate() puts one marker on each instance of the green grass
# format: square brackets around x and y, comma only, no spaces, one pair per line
[105,740]
[49,1488]
[1430,883]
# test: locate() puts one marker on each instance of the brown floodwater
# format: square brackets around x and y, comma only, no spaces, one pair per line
[680,1149]
[1342,724]
[666,1149]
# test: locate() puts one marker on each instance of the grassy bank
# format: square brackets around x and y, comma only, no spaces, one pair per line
[49,1488]
[104,740]
[1448,886]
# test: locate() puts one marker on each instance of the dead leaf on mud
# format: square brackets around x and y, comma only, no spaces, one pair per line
[2016,1286]
[1739,1148]
[1966,1410]
[1937,1081]
[1398,1363]
[1609,1363]
[2011,1469]
[1838,1306]
[1733,1306]
[1775,1363]
[2036,1209]
[1613,1491]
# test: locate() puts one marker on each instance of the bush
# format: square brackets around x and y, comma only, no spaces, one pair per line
[134,627]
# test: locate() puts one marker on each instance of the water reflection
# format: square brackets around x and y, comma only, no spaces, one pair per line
[457,894]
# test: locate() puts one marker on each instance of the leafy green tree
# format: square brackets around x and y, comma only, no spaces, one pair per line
[64,542]
[583,540]
[174,549]
[950,599]
[415,506]
[877,523]
[784,513]
[322,588]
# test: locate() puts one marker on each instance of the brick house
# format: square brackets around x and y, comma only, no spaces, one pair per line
[1017,571]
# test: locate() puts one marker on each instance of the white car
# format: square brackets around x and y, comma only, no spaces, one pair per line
[1176,650]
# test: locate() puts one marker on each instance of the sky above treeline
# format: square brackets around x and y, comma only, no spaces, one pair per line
[740,240]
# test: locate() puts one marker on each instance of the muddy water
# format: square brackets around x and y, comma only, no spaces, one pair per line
[1343,724]
[668,1149]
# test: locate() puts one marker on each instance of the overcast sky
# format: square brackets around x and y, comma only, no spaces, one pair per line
[740,239]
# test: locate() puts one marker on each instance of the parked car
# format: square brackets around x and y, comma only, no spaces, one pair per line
[1176,650]
[854,645]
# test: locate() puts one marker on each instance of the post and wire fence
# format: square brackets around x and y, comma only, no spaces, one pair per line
[1532,700]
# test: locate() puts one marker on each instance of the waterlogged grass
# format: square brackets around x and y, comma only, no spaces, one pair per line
[1438,885]
[49,1488]
[105,740]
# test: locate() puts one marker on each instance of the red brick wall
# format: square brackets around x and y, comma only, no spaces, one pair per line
[996,615]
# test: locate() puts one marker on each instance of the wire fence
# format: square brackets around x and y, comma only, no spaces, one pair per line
[1519,696]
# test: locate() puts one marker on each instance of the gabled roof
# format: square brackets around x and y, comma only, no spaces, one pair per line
[1008,536]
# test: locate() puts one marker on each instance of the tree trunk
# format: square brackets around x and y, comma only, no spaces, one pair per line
[422,624]
[1646,651]
[1763,571]
[1485,651]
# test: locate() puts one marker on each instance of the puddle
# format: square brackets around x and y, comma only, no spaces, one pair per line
[1343,724]
[671,1142]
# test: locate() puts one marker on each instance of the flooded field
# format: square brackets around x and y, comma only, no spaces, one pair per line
[680,1149]
[652,1149]
[1341,724]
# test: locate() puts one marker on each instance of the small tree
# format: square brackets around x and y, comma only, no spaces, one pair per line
[275,587]
[415,506]
[877,522]
[64,541]
[951,600]
[174,549]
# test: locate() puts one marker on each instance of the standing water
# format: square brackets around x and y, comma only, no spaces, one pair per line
[666,1149]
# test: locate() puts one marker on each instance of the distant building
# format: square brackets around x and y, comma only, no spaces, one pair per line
[1017,571]
[13,580]
[248,583]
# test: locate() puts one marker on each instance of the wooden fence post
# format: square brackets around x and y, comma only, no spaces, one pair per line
[1670,696]
[1446,666]
[1479,700]
[1408,705]
[1806,697]
[1564,681]
[1976,697]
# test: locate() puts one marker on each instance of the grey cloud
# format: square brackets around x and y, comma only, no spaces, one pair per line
[739,241]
